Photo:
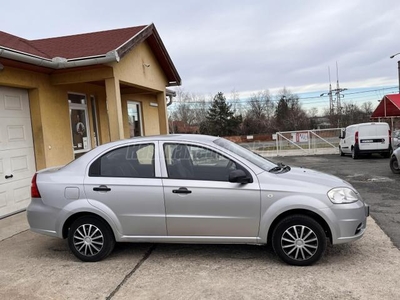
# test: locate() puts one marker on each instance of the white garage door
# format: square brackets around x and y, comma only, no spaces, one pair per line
[17,162]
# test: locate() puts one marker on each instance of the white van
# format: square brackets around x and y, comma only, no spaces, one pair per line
[365,138]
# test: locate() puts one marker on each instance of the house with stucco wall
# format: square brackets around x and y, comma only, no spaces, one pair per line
[62,96]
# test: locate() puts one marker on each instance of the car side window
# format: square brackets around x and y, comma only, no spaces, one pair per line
[186,161]
[135,161]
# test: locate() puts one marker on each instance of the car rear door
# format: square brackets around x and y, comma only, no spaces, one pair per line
[125,182]
[199,199]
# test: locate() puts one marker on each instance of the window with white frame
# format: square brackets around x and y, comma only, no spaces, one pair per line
[80,131]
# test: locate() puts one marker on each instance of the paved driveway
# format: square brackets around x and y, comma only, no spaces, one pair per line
[38,267]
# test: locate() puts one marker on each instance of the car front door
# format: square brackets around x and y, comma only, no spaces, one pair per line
[126,180]
[199,199]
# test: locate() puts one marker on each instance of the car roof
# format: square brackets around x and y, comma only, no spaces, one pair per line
[85,159]
[179,137]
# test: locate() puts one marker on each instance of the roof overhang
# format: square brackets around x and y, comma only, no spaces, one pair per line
[149,33]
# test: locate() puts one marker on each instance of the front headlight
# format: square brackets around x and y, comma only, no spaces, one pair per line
[342,195]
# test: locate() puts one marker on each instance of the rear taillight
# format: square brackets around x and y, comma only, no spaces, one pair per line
[34,188]
[390,136]
[356,136]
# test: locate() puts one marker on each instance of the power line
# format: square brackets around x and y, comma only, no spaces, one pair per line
[248,100]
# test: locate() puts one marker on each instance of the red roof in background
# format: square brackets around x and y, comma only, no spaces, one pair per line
[72,46]
[388,107]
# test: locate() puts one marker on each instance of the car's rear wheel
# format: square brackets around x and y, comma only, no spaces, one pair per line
[90,239]
[354,154]
[299,240]
[394,165]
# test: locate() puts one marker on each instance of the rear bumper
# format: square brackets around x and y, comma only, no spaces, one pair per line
[370,151]
[42,218]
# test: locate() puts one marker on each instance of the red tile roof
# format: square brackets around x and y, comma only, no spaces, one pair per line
[79,47]
[19,44]
[89,44]
[72,46]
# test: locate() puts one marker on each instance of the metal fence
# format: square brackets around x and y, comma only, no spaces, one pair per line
[302,142]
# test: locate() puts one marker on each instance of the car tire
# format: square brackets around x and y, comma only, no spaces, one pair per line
[299,240]
[394,165]
[341,152]
[354,154]
[90,239]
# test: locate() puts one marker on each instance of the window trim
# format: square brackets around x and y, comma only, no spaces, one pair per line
[164,159]
[96,163]
[84,107]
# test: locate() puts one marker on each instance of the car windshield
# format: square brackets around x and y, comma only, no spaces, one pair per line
[254,158]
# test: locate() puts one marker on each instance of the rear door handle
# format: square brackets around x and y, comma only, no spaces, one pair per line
[182,190]
[9,176]
[101,188]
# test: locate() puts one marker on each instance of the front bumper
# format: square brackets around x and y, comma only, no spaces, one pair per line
[350,221]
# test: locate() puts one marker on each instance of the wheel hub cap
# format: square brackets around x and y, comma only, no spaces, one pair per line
[299,242]
[88,240]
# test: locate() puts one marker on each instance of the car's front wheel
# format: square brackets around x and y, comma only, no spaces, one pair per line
[90,239]
[341,152]
[299,240]
[394,165]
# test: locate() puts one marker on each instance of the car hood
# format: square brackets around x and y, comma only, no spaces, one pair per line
[301,180]
[312,176]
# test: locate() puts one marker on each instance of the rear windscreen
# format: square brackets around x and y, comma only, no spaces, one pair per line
[374,130]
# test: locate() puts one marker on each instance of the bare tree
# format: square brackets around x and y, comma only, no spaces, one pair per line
[259,115]
[289,113]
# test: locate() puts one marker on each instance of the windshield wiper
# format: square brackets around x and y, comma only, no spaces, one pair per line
[280,168]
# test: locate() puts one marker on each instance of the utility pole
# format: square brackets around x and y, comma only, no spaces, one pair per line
[330,94]
[337,91]
[398,67]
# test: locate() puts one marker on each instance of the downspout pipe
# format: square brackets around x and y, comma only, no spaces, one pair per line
[170,95]
[58,62]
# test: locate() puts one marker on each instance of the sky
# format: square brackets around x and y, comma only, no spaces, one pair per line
[244,46]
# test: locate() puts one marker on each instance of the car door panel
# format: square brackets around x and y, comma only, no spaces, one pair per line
[214,208]
[131,189]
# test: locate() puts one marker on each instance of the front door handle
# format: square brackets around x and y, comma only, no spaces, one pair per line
[182,190]
[101,188]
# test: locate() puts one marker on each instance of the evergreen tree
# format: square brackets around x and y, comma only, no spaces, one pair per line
[221,119]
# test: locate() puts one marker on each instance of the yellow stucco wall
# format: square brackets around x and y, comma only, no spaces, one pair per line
[149,113]
[50,109]
[140,67]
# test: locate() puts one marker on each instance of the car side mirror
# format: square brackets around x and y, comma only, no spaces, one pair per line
[238,176]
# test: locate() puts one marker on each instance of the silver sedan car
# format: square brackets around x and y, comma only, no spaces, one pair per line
[193,189]
[394,161]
